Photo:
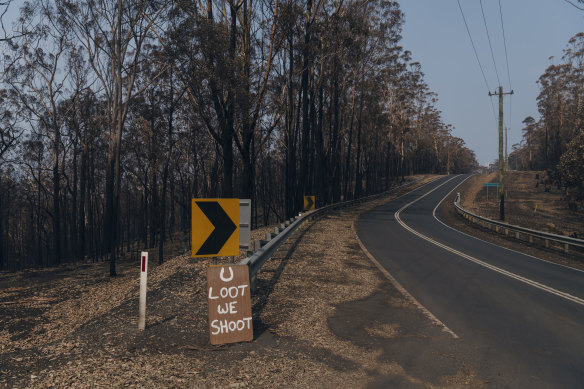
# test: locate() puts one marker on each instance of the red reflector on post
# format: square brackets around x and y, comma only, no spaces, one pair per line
[143,290]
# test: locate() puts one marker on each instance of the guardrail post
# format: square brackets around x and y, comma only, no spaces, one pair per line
[276,230]
[253,281]
[263,253]
[550,241]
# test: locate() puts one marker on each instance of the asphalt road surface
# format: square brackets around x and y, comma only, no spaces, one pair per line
[520,319]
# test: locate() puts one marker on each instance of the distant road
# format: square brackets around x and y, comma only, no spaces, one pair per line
[520,319]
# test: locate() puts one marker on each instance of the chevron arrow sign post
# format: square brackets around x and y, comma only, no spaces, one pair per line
[309,203]
[215,224]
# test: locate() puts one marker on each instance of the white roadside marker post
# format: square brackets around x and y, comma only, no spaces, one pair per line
[143,281]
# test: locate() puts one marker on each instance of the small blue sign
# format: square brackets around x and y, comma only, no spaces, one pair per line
[491,184]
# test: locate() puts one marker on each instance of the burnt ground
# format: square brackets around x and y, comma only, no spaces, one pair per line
[531,201]
[324,316]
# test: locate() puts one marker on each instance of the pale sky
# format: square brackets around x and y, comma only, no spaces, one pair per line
[535,30]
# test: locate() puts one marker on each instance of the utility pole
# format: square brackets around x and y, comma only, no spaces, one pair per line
[506,151]
[501,156]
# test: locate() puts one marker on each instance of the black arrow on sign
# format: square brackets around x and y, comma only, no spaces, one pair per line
[223,224]
[309,202]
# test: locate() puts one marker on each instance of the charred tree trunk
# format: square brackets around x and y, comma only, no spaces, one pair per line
[56,198]
[358,177]
[305,139]
[290,175]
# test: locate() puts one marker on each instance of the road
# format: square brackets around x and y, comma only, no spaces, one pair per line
[520,320]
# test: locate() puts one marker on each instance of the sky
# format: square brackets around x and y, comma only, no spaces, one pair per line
[535,30]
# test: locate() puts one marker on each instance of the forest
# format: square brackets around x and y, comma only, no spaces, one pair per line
[555,142]
[114,115]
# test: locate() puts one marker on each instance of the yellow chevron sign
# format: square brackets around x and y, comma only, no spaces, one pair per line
[215,224]
[309,203]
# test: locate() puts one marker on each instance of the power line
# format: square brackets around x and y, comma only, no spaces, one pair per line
[489,39]
[505,44]
[473,46]
[477,57]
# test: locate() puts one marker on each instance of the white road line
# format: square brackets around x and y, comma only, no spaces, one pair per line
[397,285]
[493,244]
[527,281]
[403,290]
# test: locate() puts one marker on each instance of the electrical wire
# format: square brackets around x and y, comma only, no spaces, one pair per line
[505,45]
[477,57]
[489,39]
[473,46]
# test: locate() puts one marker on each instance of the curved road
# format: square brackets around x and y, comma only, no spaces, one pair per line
[520,320]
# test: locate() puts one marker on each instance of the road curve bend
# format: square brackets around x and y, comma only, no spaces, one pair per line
[520,319]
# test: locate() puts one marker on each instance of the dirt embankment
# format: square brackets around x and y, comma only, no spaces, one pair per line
[531,201]
[324,316]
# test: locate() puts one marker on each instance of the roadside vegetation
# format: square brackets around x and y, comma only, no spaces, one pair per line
[554,143]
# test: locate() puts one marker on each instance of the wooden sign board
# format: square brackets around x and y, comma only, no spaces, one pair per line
[229,299]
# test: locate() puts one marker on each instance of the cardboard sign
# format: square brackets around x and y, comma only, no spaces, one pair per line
[229,299]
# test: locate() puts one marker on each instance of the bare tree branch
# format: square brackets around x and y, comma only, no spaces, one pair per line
[574,5]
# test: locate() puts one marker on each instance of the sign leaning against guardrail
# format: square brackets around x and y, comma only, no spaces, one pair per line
[230,318]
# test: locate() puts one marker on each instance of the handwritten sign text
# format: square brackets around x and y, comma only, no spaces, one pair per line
[229,299]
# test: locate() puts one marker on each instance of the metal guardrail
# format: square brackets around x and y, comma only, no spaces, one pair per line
[273,241]
[559,242]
